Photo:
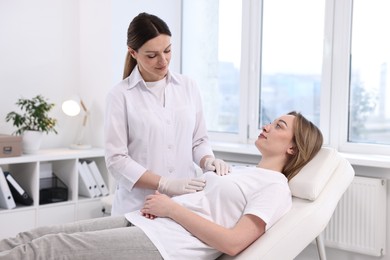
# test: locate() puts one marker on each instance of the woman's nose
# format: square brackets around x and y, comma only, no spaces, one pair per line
[266,128]
[162,59]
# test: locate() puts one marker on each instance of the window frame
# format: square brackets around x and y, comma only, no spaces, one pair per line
[335,85]
[341,77]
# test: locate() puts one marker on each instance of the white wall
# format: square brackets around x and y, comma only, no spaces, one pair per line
[59,48]
[39,50]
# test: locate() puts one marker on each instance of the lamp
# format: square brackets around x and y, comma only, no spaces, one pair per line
[72,107]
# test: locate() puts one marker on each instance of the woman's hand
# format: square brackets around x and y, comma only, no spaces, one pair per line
[157,205]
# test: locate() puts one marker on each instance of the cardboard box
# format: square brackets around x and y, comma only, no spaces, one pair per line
[10,145]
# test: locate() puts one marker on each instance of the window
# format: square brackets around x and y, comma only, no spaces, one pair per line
[287,78]
[292,49]
[257,59]
[369,109]
[212,56]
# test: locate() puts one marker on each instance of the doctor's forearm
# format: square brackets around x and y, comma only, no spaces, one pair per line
[148,180]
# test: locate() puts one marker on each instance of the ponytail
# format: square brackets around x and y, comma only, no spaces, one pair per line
[130,64]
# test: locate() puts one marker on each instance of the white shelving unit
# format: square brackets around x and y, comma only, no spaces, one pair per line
[26,171]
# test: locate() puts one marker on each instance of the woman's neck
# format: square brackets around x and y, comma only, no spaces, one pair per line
[272,163]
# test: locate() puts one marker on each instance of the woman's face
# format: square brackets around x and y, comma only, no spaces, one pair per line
[153,58]
[276,137]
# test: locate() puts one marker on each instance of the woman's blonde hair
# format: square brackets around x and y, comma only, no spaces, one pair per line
[308,141]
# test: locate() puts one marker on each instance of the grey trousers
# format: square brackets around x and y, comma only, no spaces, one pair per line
[101,238]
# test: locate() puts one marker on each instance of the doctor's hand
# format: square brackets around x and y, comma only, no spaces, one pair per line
[173,187]
[218,166]
[157,205]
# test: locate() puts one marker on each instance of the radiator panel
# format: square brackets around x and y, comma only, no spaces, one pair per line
[359,221]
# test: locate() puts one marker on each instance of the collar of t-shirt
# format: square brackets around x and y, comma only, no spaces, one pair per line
[158,89]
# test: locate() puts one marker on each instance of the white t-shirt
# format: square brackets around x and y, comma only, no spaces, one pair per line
[158,89]
[246,190]
[142,134]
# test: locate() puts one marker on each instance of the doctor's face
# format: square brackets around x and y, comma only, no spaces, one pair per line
[153,58]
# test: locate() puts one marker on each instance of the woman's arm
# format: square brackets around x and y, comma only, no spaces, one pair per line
[230,241]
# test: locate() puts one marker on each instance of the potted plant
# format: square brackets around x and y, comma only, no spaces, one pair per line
[33,121]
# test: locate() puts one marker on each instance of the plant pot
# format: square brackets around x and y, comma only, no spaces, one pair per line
[32,141]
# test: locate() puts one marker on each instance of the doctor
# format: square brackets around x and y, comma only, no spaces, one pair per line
[154,125]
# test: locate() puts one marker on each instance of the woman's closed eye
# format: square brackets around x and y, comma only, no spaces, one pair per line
[152,56]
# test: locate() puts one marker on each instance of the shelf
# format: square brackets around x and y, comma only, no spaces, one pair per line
[54,154]
[26,170]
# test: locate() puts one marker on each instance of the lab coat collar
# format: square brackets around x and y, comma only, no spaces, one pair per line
[135,78]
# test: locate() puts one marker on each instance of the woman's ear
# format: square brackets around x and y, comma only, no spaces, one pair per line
[132,52]
[291,150]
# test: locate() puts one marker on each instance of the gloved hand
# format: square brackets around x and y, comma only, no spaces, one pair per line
[218,166]
[173,187]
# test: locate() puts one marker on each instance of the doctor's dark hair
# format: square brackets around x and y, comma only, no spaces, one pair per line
[141,29]
[308,141]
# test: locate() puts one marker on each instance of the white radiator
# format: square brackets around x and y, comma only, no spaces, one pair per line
[359,221]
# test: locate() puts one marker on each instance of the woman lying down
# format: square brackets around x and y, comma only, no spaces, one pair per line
[226,217]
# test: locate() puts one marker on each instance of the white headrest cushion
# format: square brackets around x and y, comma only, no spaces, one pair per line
[310,181]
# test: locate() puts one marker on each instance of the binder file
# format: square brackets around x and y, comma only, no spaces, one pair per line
[85,187]
[6,199]
[91,179]
[98,177]
[20,195]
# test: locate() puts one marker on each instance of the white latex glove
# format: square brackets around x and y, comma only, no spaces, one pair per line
[173,187]
[218,166]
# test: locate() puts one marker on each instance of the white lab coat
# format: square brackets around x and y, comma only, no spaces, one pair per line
[141,134]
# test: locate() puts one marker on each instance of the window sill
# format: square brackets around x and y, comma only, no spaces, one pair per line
[248,153]
[369,160]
